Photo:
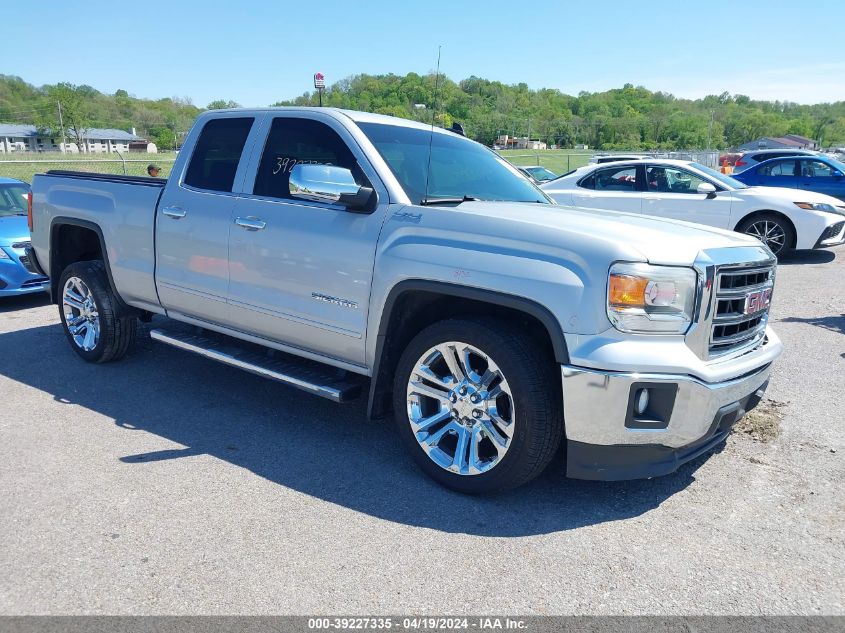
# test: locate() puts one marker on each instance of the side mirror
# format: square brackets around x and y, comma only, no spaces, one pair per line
[332,185]
[707,188]
[836,173]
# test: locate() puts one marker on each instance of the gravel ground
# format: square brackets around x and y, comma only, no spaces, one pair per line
[168,484]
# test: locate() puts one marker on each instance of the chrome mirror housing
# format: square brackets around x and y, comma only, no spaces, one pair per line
[322,183]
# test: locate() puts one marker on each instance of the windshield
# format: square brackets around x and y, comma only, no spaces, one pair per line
[13,199]
[733,183]
[541,173]
[460,168]
[836,164]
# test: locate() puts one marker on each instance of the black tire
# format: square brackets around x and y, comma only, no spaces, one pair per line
[536,392]
[752,226]
[115,333]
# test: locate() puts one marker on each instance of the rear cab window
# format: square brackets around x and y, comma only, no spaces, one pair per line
[217,154]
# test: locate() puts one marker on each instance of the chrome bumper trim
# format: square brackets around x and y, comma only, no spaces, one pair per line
[595,405]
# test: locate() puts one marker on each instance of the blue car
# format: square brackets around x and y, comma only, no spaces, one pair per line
[813,173]
[15,279]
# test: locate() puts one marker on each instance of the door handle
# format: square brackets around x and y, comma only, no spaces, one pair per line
[251,224]
[177,213]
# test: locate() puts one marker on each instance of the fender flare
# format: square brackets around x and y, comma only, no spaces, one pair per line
[514,302]
[60,221]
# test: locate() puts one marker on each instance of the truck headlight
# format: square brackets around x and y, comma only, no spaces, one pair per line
[651,299]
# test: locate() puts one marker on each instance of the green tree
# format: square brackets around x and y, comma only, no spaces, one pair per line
[220,104]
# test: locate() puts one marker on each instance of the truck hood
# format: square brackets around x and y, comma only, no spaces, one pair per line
[788,196]
[13,228]
[632,236]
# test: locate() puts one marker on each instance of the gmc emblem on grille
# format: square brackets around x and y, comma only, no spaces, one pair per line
[758,301]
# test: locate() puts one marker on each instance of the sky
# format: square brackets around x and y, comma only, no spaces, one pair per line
[257,53]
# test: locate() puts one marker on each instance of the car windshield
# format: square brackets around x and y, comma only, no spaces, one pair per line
[729,182]
[836,164]
[13,199]
[541,173]
[459,168]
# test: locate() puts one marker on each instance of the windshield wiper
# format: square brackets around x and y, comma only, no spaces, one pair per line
[431,201]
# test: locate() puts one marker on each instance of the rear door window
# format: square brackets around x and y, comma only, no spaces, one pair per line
[616,179]
[217,154]
[781,168]
[292,141]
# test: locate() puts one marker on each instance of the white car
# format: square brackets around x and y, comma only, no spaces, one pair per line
[781,218]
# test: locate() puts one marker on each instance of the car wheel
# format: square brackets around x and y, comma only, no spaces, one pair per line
[772,230]
[479,404]
[87,310]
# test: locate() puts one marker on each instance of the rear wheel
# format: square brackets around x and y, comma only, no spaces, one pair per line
[478,404]
[772,230]
[87,308]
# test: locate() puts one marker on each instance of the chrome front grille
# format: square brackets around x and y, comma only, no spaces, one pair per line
[739,319]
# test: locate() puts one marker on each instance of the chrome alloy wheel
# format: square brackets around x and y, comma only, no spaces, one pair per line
[460,408]
[768,232]
[81,315]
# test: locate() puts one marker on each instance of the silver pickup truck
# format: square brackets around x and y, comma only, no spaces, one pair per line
[340,251]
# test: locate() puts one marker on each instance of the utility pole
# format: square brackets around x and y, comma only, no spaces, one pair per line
[61,125]
[529,128]
[710,130]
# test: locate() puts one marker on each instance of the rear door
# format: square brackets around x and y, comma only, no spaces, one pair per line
[673,193]
[194,219]
[618,188]
[301,271]
[778,173]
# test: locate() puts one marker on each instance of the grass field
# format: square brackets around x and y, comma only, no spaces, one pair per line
[558,161]
[24,165]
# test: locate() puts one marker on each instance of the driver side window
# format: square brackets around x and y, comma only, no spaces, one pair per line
[294,141]
[672,180]
[815,169]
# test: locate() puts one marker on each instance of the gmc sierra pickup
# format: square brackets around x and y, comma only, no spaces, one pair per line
[337,251]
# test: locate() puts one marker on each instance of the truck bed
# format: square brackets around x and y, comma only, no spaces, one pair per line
[122,210]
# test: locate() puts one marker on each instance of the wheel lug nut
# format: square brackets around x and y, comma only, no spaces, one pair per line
[463,391]
[474,397]
[476,414]
[453,398]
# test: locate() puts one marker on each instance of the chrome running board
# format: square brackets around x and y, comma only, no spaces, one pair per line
[321,380]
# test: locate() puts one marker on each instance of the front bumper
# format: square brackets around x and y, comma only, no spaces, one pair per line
[833,235]
[15,279]
[605,441]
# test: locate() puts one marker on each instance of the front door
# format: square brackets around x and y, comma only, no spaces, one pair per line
[672,192]
[300,272]
[819,176]
[193,223]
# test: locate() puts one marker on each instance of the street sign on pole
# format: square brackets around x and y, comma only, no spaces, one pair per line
[320,85]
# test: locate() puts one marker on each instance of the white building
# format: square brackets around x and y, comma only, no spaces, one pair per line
[25,138]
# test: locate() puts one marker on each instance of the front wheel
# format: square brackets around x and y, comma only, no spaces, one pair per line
[87,308]
[772,230]
[478,404]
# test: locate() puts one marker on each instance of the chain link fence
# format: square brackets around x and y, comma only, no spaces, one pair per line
[24,168]
[561,162]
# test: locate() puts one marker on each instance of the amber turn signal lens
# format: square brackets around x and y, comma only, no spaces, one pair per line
[626,291]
